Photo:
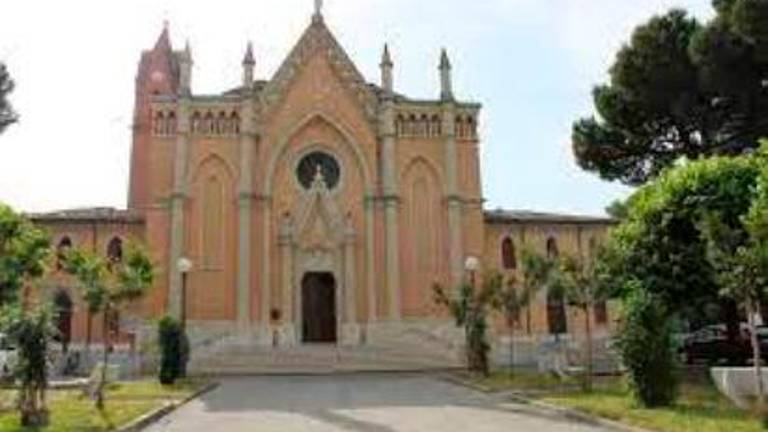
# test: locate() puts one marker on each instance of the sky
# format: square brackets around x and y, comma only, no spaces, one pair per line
[531,63]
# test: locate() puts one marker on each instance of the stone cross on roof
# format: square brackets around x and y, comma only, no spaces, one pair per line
[318,7]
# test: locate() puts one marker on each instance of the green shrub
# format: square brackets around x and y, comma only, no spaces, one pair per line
[171,341]
[646,347]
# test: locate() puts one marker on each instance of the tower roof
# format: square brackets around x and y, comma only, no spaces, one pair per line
[164,40]
[249,59]
[386,58]
[445,62]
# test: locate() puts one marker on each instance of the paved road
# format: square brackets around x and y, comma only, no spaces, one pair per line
[366,403]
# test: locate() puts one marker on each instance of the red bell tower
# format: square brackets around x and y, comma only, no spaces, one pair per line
[158,74]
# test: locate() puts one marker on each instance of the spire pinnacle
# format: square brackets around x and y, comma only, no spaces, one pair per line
[164,41]
[318,8]
[249,59]
[445,62]
[187,51]
[446,80]
[386,58]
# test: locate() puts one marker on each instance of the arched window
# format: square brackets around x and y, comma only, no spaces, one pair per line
[552,251]
[413,123]
[159,126]
[435,126]
[235,123]
[557,319]
[115,250]
[171,130]
[601,312]
[459,127]
[65,244]
[62,304]
[508,255]
[208,124]
[471,128]
[222,126]
[424,125]
[400,125]
[197,122]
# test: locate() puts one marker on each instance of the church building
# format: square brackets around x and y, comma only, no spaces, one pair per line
[312,208]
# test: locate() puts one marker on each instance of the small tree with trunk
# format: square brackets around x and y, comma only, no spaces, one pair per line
[24,250]
[90,271]
[521,292]
[470,307]
[30,331]
[536,273]
[108,286]
[579,283]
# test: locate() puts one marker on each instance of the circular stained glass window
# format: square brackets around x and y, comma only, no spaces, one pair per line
[318,161]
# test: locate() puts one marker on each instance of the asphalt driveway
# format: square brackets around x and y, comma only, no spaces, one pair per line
[367,403]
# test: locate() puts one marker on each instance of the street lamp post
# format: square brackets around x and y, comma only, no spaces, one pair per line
[184,265]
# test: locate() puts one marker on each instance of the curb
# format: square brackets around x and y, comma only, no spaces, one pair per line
[152,417]
[557,411]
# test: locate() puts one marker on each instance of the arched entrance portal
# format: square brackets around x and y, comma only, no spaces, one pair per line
[318,299]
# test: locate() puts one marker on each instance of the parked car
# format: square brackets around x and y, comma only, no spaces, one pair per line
[712,344]
[7,356]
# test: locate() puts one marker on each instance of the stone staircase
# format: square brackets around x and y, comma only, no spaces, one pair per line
[385,347]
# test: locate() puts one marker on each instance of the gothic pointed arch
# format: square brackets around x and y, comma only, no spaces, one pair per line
[422,236]
[317,38]
[348,143]
[212,239]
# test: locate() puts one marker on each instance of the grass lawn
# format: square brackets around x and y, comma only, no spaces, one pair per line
[71,412]
[699,408]
[524,381]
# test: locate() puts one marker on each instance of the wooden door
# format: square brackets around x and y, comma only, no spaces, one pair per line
[319,308]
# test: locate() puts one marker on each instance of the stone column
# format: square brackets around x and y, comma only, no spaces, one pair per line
[370,252]
[178,202]
[245,202]
[351,329]
[288,334]
[391,204]
[452,194]
[265,333]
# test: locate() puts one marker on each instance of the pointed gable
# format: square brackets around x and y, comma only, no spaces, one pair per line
[319,39]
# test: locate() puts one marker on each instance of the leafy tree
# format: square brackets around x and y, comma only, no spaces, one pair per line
[660,244]
[30,332]
[91,271]
[23,251]
[7,115]
[520,293]
[107,286]
[470,308]
[579,282]
[536,272]
[740,261]
[617,209]
[680,89]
